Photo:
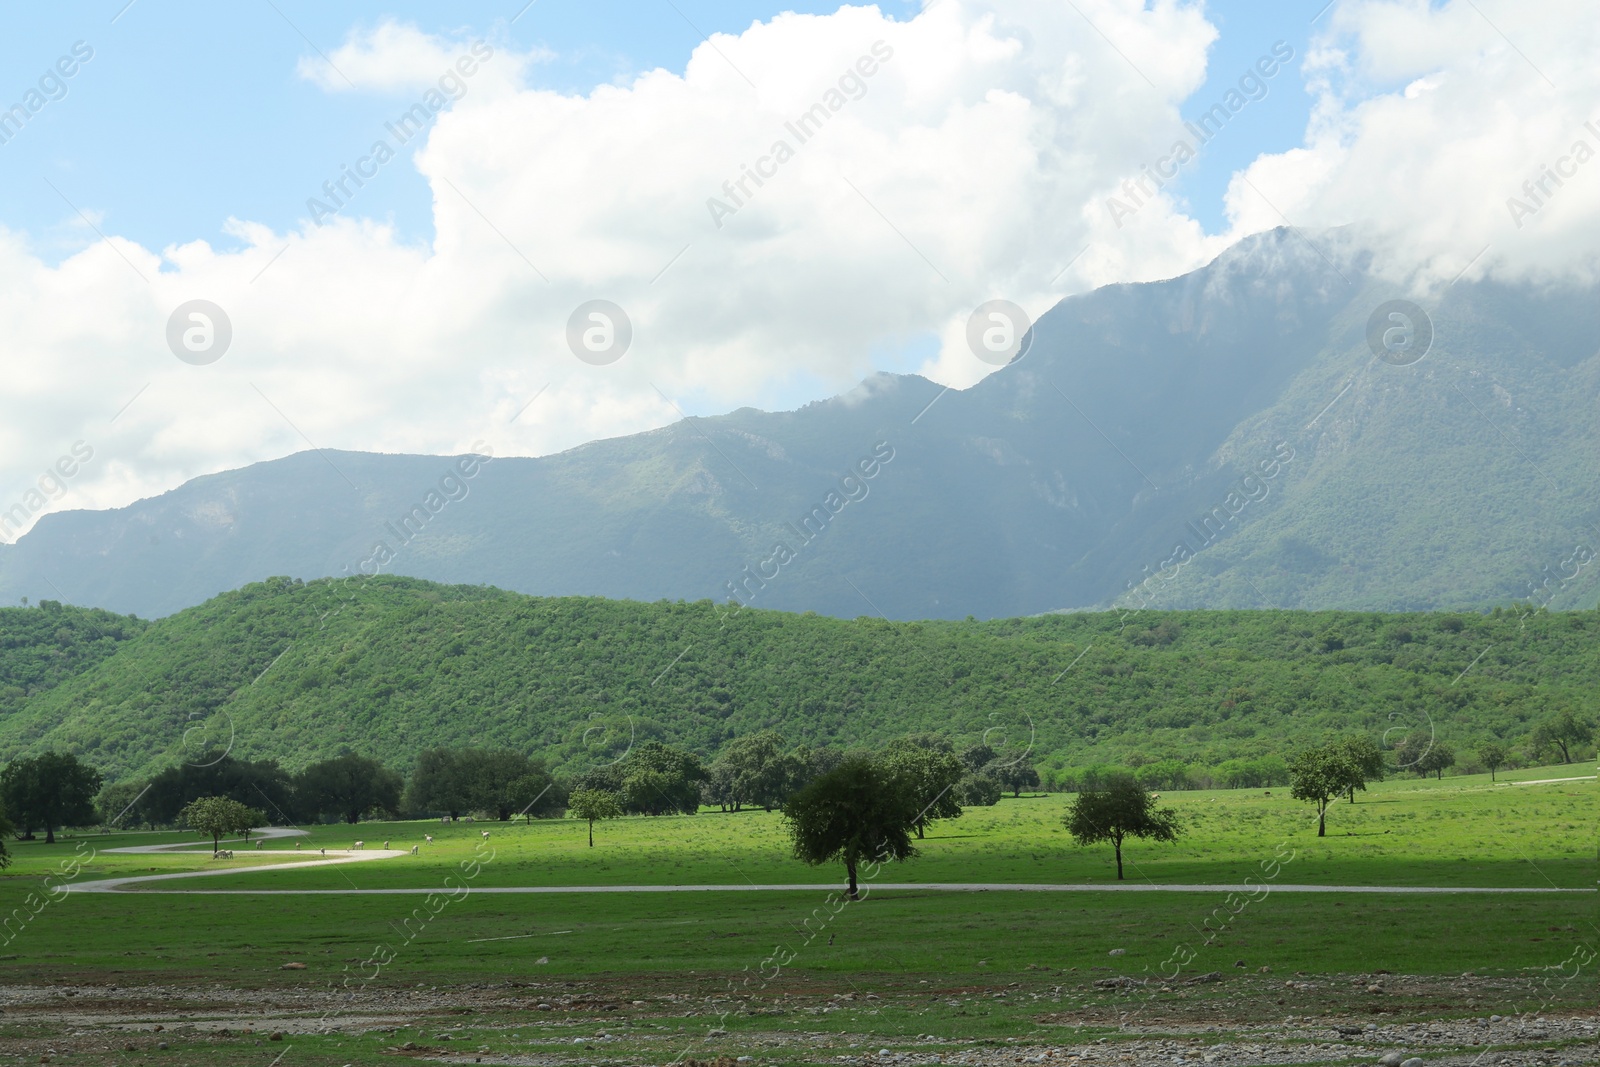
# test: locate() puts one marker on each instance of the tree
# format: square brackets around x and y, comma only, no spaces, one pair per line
[503,782]
[439,783]
[1321,774]
[1493,755]
[657,779]
[752,770]
[1563,730]
[1120,810]
[536,794]
[1411,750]
[591,805]
[981,790]
[121,803]
[220,816]
[928,770]
[1436,759]
[1016,775]
[260,783]
[1367,758]
[49,791]
[858,812]
[347,787]
[6,830]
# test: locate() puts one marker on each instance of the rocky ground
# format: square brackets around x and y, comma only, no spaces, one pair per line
[1065,1018]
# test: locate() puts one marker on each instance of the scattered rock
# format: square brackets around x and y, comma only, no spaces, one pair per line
[1390,1059]
[1118,952]
[1415,1061]
[276,1035]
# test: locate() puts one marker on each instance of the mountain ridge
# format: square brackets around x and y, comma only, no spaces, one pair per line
[1064,480]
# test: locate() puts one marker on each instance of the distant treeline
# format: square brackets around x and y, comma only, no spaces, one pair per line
[650,778]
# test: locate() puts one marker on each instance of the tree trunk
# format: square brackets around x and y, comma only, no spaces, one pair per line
[919,831]
[1322,819]
[1117,844]
[850,870]
[591,833]
[49,835]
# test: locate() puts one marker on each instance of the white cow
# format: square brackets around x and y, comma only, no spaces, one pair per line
[360,844]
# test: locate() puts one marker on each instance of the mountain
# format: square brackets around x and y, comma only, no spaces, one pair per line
[388,666]
[1221,439]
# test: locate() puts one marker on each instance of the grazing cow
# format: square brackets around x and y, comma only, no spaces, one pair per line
[259,844]
[386,844]
[413,850]
[428,838]
[486,833]
[361,844]
[297,846]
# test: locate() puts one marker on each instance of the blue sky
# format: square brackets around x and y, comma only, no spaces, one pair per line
[190,113]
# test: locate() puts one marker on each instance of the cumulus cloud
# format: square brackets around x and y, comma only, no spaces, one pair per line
[1464,133]
[397,57]
[800,196]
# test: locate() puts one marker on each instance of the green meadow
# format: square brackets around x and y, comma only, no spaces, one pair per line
[664,970]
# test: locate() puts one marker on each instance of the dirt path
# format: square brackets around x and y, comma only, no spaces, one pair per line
[325,858]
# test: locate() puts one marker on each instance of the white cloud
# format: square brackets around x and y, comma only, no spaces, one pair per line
[1429,120]
[971,163]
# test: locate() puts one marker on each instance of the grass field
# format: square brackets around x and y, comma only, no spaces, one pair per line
[982,966]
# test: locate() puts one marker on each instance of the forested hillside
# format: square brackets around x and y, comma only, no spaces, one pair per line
[389,666]
[44,646]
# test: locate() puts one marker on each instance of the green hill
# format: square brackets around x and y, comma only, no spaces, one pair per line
[42,647]
[387,666]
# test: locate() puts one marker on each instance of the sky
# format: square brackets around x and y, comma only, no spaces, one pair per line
[233,232]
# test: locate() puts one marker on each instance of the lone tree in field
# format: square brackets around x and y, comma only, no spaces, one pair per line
[593,804]
[49,791]
[1321,775]
[1367,757]
[859,812]
[1563,730]
[1120,809]
[1493,756]
[1436,760]
[926,769]
[219,816]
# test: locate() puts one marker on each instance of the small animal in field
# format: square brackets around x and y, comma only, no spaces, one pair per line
[414,849]
[386,844]
[428,838]
[259,844]
[360,844]
[486,833]
[297,846]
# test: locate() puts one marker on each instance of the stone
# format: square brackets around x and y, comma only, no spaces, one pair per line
[1390,1059]
[1118,952]
[1415,1061]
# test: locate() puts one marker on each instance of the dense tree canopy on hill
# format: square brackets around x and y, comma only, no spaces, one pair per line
[45,645]
[388,667]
